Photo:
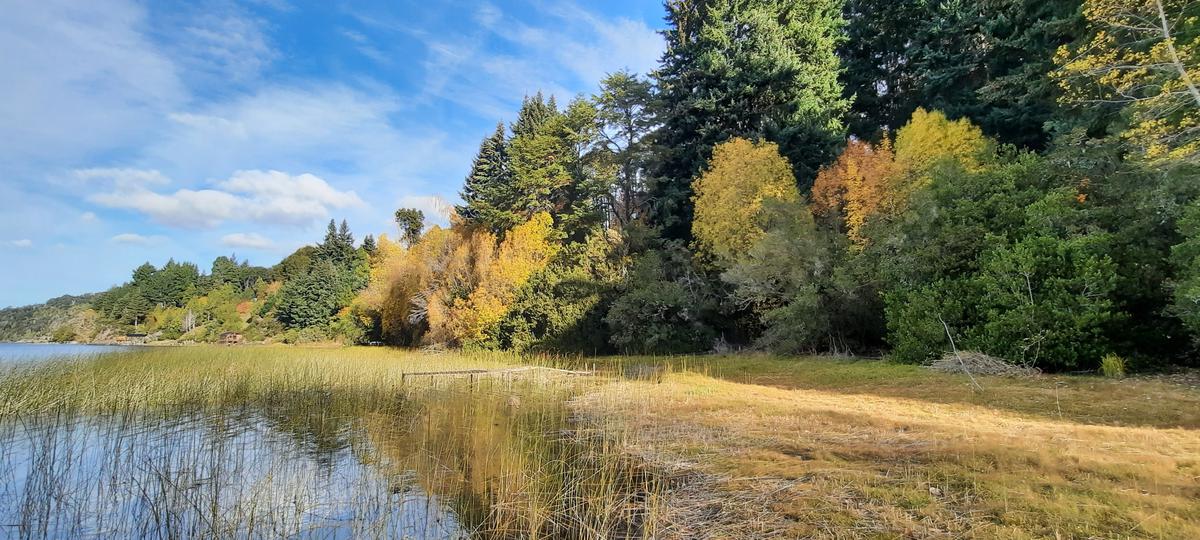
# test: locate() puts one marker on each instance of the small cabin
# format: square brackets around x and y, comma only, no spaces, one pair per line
[230,338]
[132,337]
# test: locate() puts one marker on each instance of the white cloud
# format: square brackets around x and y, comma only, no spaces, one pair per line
[611,44]
[257,196]
[124,177]
[88,217]
[22,243]
[135,239]
[333,130]
[247,240]
[225,45]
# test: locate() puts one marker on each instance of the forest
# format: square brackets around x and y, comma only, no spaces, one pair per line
[858,177]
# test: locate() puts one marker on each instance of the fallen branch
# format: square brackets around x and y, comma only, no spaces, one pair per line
[507,371]
[959,356]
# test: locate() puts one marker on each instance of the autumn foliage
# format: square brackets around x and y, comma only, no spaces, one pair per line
[730,194]
[857,186]
[454,284]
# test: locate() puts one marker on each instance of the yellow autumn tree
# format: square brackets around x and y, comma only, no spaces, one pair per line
[729,196]
[526,249]
[1144,54]
[458,271]
[401,280]
[876,180]
[930,138]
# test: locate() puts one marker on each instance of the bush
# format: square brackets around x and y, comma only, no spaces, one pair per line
[914,321]
[1045,302]
[1112,366]
[663,308]
[63,334]
[562,307]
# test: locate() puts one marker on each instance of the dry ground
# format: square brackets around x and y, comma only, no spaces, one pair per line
[779,448]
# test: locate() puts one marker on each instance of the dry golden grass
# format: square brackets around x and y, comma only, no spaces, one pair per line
[1086,399]
[789,463]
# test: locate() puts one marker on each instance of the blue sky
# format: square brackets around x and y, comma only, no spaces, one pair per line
[140,131]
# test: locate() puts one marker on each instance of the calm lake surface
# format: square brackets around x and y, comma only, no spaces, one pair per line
[16,353]
[235,474]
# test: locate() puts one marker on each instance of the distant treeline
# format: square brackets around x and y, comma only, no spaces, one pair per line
[1012,176]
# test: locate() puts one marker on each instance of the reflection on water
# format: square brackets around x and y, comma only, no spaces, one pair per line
[233,474]
[488,460]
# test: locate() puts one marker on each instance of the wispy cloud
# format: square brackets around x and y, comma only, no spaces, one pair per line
[80,78]
[134,239]
[247,240]
[21,243]
[271,197]
[566,53]
[328,129]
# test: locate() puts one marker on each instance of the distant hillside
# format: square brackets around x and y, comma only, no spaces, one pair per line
[38,321]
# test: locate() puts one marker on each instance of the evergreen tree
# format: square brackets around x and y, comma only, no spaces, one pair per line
[753,69]
[411,222]
[338,246]
[986,61]
[534,112]
[312,299]
[624,109]
[344,236]
[488,192]
[368,245]
[553,171]
[143,274]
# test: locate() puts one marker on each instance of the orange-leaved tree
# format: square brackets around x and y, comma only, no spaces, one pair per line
[856,186]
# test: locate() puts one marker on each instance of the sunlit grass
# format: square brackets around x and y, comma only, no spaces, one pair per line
[833,464]
[156,377]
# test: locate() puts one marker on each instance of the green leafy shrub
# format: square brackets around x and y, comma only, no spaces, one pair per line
[663,307]
[63,334]
[562,307]
[915,320]
[1045,302]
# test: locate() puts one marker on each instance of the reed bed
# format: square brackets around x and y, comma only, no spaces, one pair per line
[321,443]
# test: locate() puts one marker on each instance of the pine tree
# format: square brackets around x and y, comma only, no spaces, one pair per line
[535,111]
[986,61]
[488,192]
[754,69]
[625,110]
[553,172]
[344,236]
[368,245]
[338,246]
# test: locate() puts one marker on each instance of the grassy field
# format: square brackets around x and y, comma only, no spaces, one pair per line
[837,448]
[719,447]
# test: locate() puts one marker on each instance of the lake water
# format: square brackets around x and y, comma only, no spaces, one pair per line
[16,353]
[449,460]
[237,474]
